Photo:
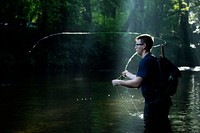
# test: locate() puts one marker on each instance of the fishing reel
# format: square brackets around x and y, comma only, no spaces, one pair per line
[121,77]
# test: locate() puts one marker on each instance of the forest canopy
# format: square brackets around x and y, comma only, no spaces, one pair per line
[24,22]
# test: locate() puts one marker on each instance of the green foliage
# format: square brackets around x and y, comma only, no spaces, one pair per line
[194,17]
[180,5]
[165,19]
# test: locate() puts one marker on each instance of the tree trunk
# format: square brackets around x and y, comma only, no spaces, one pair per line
[186,52]
[87,14]
[63,26]
[134,22]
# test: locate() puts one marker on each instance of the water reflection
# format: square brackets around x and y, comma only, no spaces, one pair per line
[186,111]
[131,100]
[61,103]
[186,68]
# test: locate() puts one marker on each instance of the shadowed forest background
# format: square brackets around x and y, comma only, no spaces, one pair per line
[57,59]
[24,22]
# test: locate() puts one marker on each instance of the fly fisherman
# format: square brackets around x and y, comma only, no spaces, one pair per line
[156,107]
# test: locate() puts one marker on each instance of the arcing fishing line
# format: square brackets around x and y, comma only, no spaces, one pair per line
[132,102]
[129,61]
[79,33]
[121,77]
[57,34]
[158,45]
[88,33]
[126,109]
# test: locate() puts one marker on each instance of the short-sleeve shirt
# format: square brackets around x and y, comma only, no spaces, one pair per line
[149,71]
[156,106]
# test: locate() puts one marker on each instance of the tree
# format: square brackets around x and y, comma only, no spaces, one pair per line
[135,20]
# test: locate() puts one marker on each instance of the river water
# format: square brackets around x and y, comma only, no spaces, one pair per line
[88,103]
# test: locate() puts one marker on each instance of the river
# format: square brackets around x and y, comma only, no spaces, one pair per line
[88,103]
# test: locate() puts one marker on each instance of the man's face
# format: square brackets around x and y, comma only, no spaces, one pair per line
[139,47]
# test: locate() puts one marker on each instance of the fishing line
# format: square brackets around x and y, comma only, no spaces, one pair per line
[129,61]
[125,108]
[122,77]
[158,45]
[90,33]
[78,33]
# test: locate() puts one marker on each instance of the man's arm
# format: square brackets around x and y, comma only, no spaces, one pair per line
[132,83]
[128,74]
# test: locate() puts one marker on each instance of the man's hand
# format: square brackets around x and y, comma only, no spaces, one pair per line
[128,74]
[116,82]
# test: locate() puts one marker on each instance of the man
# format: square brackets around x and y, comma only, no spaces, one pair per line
[156,108]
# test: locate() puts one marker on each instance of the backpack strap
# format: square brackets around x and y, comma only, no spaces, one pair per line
[160,73]
[162,52]
[162,55]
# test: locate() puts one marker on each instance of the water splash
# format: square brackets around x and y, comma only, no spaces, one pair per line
[138,114]
[84,99]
